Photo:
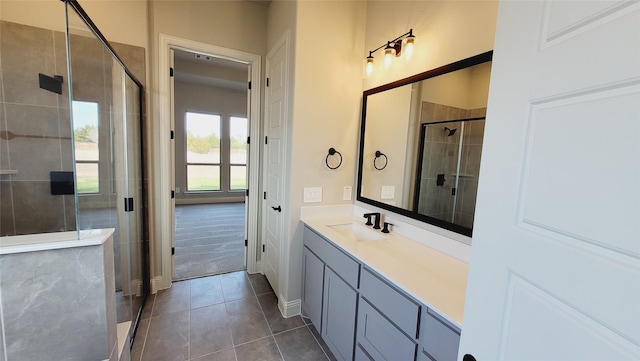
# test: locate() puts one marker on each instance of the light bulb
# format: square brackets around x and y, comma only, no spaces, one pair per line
[389,52]
[408,48]
[369,66]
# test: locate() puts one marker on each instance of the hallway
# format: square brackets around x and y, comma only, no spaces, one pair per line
[229,317]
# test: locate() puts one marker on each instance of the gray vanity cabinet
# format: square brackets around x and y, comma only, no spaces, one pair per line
[439,339]
[388,321]
[364,317]
[312,285]
[339,316]
[330,296]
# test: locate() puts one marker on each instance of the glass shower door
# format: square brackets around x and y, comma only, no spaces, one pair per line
[449,165]
[112,173]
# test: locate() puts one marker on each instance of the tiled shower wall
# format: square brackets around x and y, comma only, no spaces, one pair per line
[441,156]
[39,122]
[26,203]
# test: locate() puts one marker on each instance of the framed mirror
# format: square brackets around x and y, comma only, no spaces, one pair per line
[421,142]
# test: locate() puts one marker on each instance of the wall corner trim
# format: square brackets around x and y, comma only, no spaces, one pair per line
[289,308]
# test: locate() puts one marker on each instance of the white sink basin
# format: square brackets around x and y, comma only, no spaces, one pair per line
[356,232]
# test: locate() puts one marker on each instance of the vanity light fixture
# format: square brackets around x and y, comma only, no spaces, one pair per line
[392,48]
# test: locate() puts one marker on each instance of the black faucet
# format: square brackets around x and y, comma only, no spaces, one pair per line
[376,216]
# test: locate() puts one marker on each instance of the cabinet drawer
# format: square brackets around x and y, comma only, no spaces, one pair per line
[403,311]
[439,339]
[380,338]
[345,266]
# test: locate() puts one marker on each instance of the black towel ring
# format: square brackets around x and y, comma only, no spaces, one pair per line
[378,155]
[333,151]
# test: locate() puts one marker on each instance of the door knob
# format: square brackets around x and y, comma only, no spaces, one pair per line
[277,209]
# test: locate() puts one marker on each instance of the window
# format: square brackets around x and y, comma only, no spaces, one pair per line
[203,151]
[86,146]
[238,153]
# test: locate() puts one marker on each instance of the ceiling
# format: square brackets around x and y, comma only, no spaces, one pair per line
[210,71]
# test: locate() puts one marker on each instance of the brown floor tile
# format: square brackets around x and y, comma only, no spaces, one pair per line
[148,307]
[264,350]
[277,323]
[224,355]
[246,320]
[299,345]
[206,291]
[168,338]
[138,343]
[260,283]
[175,299]
[209,330]
[235,286]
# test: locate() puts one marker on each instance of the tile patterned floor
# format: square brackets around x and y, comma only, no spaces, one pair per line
[228,317]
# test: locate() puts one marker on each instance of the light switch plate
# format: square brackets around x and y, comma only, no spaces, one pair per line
[312,195]
[388,192]
[346,193]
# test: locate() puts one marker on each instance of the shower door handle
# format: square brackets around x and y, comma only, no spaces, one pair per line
[277,209]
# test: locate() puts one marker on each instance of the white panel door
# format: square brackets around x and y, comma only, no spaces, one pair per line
[555,263]
[274,173]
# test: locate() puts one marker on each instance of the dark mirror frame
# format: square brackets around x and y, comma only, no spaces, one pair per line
[458,65]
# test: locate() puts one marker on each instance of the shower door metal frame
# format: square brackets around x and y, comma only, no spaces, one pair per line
[143,172]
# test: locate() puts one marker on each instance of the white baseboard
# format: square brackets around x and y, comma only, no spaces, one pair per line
[157,284]
[289,308]
[136,287]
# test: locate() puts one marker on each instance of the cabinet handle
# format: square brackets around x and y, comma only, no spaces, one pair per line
[277,209]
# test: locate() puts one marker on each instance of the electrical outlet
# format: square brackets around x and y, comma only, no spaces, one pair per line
[346,193]
[388,192]
[177,189]
[312,195]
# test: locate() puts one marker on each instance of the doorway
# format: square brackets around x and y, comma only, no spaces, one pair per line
[210,106]
[166,194]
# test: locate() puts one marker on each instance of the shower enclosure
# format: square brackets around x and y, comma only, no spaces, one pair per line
[448,169]
[71,141]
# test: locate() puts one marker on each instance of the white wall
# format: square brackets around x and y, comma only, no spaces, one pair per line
[387,131]
[446,31]
[119,21]
[465,88]
[326,110]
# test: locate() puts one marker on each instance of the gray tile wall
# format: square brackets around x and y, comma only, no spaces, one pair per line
[59,304]
[441,156]
[27,205]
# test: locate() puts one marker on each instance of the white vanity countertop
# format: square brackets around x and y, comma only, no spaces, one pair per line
[434,278]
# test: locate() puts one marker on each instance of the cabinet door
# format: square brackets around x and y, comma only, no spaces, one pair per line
[339,316]
[439,339]
[381,339]
[313,279]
